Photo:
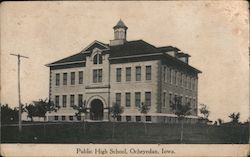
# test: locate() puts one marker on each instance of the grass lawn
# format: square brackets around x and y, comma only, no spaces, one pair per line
[125,133]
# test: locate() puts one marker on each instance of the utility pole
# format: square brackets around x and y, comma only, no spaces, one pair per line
[19,90]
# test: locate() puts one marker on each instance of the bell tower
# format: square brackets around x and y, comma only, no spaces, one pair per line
[120,33]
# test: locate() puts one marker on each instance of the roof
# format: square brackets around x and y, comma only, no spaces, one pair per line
[120,24]
[130,48]
[168,48]
[74,58]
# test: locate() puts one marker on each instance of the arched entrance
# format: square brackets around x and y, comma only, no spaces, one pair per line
[96,110]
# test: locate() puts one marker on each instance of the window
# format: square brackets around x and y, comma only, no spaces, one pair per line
[80,81]
[70,117]
[184,81]
[188,80]
[195,84]
[72,100]
[78,117]
[138,118]
[119,118]
[169,75]
[57,100]
[148,98]
[118,74]
[174,77]
[72,80]
[80,101]
[56,117]
[64,100]
[65,78]
[118,98]
[170,99]
[148,72]
[128,118]
[138,73]
[97,75]
[164,99]
[137,99]
[148,118]
[97,59]
[63,117]
[128,74]
[128,96]
[57,79]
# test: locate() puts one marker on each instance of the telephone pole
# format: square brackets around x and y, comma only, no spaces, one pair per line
[19,90]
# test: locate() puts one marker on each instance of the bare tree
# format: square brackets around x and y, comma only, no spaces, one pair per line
[144,108]
[234,117]
[181,110]
[204,111]
[116,110]
[80,109]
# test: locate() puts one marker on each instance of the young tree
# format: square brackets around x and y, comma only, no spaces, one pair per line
[44,106]
[30,110]
[116,110]
[8,115]
[204,111]
[144,108]
[234,117]
[181,110]
[220,121]
[80,109]
[40,108]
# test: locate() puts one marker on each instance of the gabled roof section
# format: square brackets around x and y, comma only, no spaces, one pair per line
[76,58]
[81,57]
[95,44]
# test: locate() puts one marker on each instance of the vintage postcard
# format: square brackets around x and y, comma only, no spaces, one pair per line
[124,78]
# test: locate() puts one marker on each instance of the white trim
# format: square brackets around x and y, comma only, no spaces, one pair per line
[84,50]
[65,63]
[136,56]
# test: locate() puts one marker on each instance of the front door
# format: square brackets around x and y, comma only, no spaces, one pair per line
[96,110]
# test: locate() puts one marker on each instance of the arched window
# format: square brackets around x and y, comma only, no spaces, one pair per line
[97,59]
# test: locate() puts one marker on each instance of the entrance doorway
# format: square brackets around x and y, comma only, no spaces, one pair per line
[96,110]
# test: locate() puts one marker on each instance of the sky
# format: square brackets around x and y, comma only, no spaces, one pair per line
[215,34]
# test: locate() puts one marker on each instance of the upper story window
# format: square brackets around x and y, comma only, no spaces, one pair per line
[165,74]
[73,78]
[80,81]
[97,59]
[128,74]
[148,72]
[138,73]
[97,75]
[118,74]
[65,76]
[57,79]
